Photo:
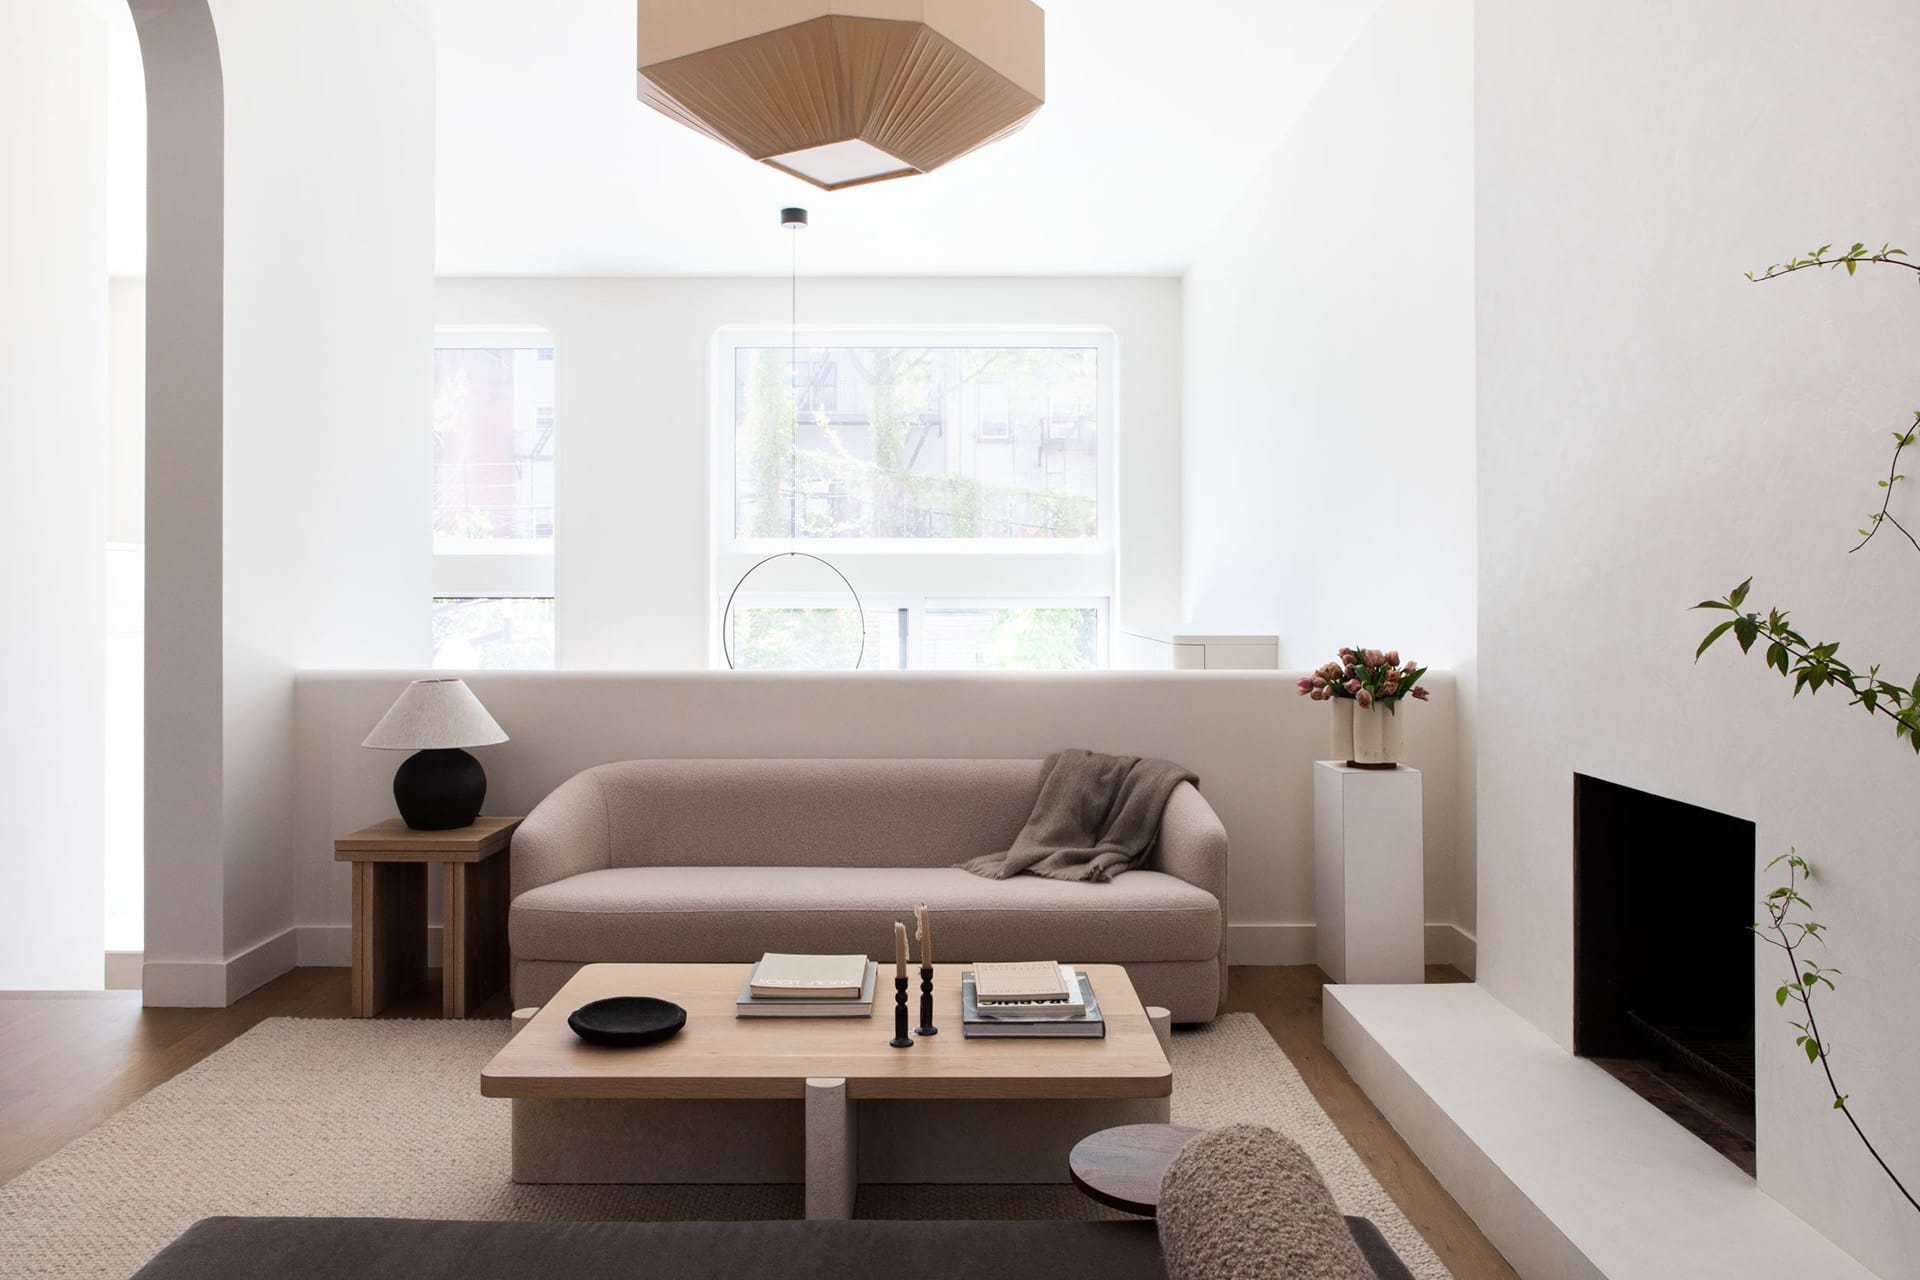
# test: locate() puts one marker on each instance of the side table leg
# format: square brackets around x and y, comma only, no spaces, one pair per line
[389,933]
[832,1149]
[473,934]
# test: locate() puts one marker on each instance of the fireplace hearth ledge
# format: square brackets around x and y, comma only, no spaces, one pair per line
[1567,1171]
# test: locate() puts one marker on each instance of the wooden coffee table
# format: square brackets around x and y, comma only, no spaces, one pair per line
[824,1101]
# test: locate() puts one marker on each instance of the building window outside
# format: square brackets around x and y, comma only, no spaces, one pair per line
[493,501]
[963,481]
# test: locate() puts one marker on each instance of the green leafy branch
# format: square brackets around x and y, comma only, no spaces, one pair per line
[1850,260]
[1783,931]
[1814,667]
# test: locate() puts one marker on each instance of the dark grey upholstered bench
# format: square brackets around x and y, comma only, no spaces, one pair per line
[860,1249]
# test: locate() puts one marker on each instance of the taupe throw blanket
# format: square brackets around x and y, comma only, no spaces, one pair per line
[1095,817]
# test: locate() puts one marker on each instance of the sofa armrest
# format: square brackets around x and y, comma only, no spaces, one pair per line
[1192,844]
[565,835]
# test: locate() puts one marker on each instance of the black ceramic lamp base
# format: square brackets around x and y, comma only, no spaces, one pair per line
[440,789]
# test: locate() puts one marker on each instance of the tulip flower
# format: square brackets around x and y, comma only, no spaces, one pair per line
[1393,657]
[1304,684]
[1375,657]
[1353,687]
[1364,698]
[1421,693]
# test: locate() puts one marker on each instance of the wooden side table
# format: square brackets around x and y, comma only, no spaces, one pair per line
[1122,1168]
[390,911]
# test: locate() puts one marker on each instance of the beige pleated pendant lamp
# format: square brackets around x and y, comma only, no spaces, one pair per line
[843,92]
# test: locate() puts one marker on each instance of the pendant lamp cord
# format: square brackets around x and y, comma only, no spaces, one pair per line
[793,379]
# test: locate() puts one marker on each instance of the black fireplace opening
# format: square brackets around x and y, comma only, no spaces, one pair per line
[1664,953]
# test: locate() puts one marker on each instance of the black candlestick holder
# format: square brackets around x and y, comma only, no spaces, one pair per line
[901,1040]
[926,1027]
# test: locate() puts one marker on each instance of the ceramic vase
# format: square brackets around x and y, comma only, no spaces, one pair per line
[1378,736]
[1342,748]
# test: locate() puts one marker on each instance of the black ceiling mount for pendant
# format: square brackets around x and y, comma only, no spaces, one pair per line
[793,219]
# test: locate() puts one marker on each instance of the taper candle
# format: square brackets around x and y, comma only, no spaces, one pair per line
[925,936]
[900,950]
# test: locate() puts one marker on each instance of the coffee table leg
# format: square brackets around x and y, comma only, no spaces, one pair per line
[832,1165]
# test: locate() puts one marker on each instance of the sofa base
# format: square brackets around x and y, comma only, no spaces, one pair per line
[1191,990]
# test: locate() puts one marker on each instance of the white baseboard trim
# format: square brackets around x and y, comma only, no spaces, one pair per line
[1293,944]
[330,946]
[215,984]
[123,970]
[1450,944]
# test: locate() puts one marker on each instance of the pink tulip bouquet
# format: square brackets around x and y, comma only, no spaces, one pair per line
[1368,676]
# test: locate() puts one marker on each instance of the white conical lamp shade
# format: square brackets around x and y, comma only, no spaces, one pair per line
[435,714]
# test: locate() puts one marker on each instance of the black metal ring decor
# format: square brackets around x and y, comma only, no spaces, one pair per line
[726,614]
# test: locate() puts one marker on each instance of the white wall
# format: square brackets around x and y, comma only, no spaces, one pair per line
[633,419]
[1329,378]
[1247,735]
[315,551]
[1654,428]
[53,434]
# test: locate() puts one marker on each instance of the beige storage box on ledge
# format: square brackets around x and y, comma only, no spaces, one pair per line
[724,860]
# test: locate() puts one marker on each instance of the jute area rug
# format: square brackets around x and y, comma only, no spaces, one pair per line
[324,1117]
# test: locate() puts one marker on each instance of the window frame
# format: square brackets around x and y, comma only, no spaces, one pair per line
[1019,572]
[918,603]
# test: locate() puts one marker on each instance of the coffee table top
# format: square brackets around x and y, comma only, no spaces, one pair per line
[721,1056]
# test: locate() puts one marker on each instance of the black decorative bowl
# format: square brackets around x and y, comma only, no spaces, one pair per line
[624,1021]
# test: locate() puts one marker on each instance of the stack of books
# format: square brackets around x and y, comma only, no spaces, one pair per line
[784,986]
[1032,998]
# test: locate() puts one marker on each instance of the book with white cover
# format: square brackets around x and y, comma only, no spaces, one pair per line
[1071,1007]
[1088,1025]
[780,976]
[1022,980]
[750,1005]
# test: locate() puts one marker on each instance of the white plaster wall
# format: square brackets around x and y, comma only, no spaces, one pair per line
[1653,428]
[1329,416]
[1248,735]
[633,420]
[282,503]
[329,340]
[53,431]
[127,409]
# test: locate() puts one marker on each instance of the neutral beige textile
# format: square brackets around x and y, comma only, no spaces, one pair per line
[780,813]
[697,913]
[722,860]
[1096,816]
[385,1118]
[1212,1229]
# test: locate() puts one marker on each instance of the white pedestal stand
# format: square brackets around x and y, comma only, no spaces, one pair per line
[1369,891]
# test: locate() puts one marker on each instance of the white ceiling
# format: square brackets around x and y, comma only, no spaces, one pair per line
[1158,114]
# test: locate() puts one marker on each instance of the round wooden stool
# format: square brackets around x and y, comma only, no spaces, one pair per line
[1121,1168]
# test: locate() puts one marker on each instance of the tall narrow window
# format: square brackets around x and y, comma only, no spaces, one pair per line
[493,501]
[964,481]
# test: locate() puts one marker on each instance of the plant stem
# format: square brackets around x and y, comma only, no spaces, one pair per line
[1886,516]
[1805,994]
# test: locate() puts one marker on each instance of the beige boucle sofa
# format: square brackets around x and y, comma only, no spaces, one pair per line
[722,860]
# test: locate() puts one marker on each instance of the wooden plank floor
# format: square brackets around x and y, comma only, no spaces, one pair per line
[70,1060]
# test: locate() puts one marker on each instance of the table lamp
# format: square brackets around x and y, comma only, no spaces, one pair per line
[438,787]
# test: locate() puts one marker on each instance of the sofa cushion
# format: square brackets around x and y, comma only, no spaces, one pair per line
[726,913]
[802,813]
